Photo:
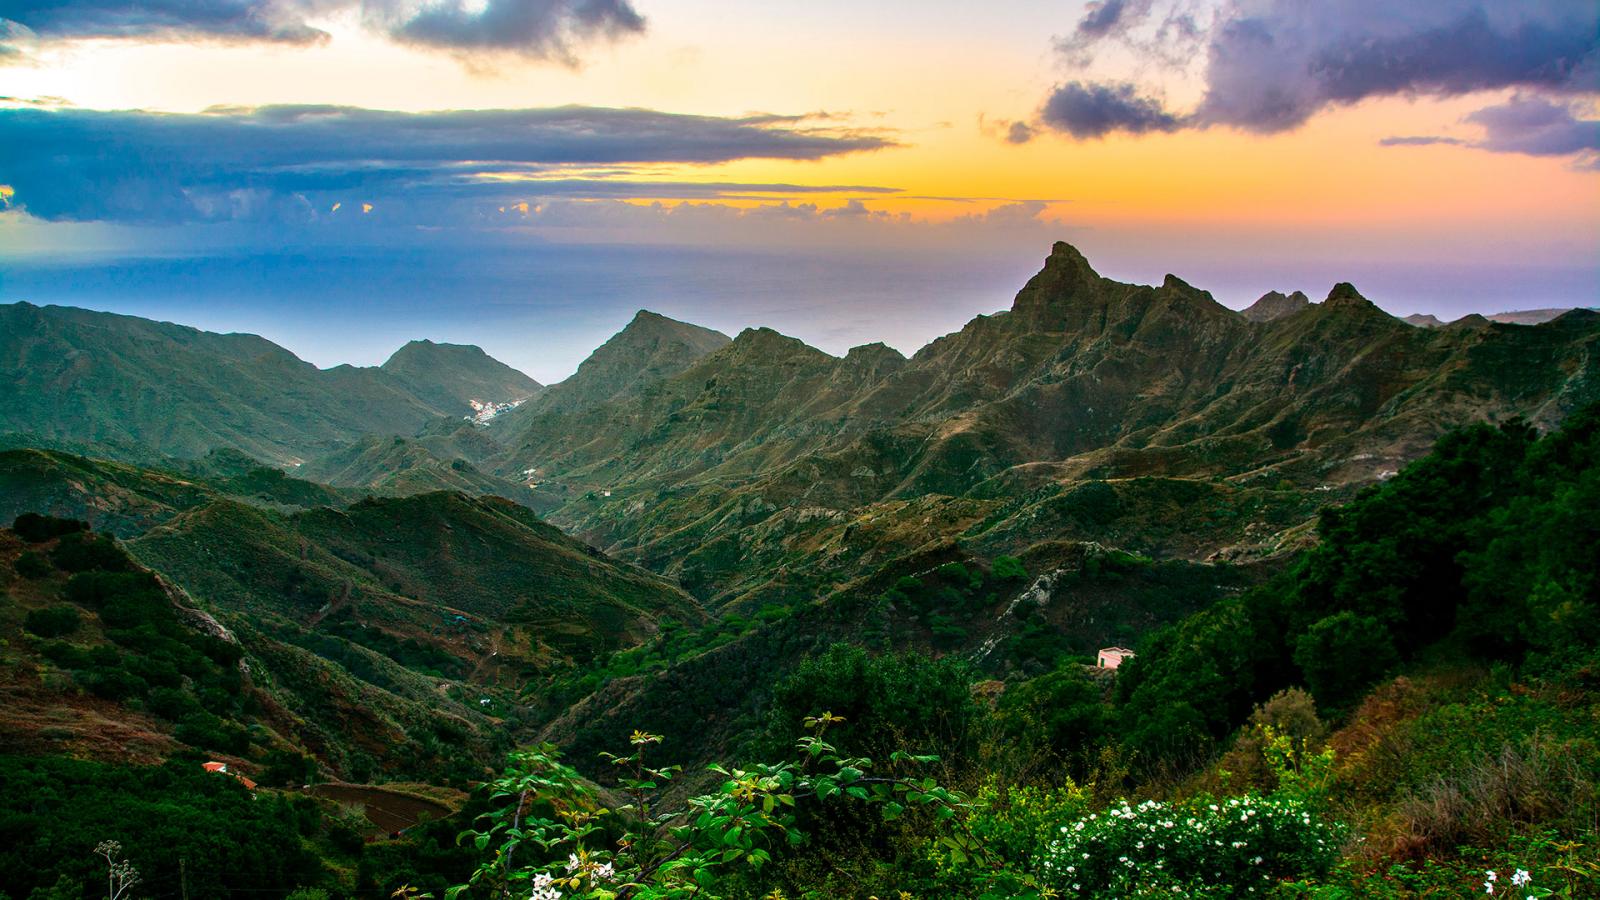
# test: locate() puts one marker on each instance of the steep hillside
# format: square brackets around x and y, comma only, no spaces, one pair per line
[96,377]
[451,376]
[398,466]
[108,660]
[480,581]
[651,347]
[126,500]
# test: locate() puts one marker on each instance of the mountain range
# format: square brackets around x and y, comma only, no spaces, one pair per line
[767,449]
[375,544]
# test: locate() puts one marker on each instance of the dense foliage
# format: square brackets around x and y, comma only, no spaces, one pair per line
[1488,543]
[178,824]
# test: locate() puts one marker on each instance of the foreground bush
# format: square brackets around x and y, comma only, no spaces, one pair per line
[554,838]
[1221,848]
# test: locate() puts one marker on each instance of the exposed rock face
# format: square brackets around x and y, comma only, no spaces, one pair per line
[1274,305]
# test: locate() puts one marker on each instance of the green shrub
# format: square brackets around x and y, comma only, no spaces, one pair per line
[52,621]
[32,566]
[36,529]
[1057,715]
[887,701]
[286,768]
[84,551]
[1009,568]
[1236,845]
[1342,655]
[1013,824]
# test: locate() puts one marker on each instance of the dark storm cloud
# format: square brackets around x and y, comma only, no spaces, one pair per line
[286,162]
[1089,110]
[542,29]
[1270,65]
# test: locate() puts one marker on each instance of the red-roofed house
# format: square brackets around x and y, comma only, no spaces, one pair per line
[222,767]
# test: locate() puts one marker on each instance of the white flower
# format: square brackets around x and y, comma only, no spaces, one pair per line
[1521,877]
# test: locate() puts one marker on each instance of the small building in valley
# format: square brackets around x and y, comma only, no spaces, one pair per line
[1111,657]
[222,768]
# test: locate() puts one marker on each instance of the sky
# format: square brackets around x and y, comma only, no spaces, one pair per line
[341,176]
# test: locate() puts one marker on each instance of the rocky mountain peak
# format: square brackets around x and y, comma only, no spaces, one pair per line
[1275,305]
[1345,294]
[648,320]
[1067,280]
[1067,260]
[876,358]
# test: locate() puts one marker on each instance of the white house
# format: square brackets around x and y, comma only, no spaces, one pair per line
[1111,657]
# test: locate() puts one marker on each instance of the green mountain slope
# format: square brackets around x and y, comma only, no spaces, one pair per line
[451,376]
[398,466]
[96,377]
[482,580]
[649,348]
[126,500]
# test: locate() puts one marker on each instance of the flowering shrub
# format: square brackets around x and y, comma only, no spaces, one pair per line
[1222,848]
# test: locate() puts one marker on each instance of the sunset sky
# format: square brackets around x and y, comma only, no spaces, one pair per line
[341,176]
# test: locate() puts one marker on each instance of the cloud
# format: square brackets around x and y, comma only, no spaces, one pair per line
[14,38]
[1268,66]
[1020,133]
[1102,20]
[538,28]
[1089,110]
[1536,126]
[1526,124]
[534,29]
[285,162]
[854,225]
[1422,140]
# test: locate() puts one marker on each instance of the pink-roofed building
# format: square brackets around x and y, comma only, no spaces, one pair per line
[1111,657]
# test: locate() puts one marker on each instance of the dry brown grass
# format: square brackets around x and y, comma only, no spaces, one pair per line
[1536,781]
